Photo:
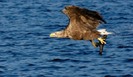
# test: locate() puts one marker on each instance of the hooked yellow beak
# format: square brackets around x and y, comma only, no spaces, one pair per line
[52,35]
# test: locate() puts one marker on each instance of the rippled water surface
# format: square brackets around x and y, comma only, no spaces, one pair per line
[27,51]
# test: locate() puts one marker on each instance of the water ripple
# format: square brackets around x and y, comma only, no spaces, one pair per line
[67,60]
[128,75]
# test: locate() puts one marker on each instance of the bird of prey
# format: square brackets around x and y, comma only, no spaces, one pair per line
[82,25]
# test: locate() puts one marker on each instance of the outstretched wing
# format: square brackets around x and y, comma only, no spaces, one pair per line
[83,23]
[91,18]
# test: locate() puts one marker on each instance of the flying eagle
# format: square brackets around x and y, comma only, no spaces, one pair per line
[82,25]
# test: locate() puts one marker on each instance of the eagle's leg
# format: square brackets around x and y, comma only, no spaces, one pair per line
[102,45]
[102,40]
[93,43]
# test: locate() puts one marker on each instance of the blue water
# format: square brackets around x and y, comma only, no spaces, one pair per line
[26,50]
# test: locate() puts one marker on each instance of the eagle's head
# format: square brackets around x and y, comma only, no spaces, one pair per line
[58,34]
[55,34]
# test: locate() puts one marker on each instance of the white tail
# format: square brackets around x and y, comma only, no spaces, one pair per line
[104,32]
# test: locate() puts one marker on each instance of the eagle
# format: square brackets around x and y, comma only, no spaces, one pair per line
[83,25]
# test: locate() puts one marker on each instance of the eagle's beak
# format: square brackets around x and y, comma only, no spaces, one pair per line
[52,35]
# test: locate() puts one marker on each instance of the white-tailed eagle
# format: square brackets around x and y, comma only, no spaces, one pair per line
[82,25]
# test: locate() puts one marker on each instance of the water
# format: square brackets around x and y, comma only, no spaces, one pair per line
[27,51]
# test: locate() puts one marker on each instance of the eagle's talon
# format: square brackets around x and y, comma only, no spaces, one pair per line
[93,43]
[102,40]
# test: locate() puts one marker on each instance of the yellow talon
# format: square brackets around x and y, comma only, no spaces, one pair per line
[94,44]
[102,40]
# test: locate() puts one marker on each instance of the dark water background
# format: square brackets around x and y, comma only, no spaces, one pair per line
[27,51]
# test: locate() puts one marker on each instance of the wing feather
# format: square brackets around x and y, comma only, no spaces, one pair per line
[92,19]
[83,23]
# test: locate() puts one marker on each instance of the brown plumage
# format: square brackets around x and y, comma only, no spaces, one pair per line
[82,25]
